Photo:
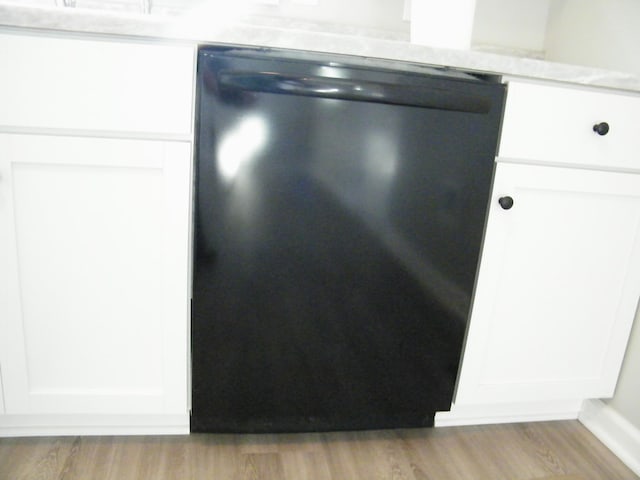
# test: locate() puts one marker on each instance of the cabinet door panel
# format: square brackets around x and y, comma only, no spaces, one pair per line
[95,248]
[558,286]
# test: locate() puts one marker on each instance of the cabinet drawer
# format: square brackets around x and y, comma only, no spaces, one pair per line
[553,124]
[76,83]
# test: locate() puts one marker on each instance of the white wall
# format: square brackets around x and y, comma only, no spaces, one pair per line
[627,397]
[606,35]
[375,14]
[509,24]
[595,33]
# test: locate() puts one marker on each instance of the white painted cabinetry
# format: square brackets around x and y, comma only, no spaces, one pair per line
[96,305]
[95,178]
[559,278]
[558,287]
[105,85]
[553,125]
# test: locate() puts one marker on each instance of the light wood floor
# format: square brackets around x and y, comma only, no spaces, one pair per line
[549,451]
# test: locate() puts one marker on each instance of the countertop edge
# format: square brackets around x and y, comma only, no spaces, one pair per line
[298,36]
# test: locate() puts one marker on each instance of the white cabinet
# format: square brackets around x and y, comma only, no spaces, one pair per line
[95,214]
[94,244]
[558,286]
[95,84]
[551,124]
[559,278]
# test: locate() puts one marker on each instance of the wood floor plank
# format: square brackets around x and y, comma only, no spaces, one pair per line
[438,454]
[216,456]
[174,464]
[534,451]
[540,446]
[316,467]
[562,477]
[47,458]
[261,466]
[339,455]
[429,454]
[13,453]
[382,454]
[503,457]
[126,459]
[70,461]
[396,457]
[304,460]
[93,459]
[364,456]
[583,453]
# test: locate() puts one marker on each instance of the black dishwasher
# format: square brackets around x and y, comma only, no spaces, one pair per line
[340,208]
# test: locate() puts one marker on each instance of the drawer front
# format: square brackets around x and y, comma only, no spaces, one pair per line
[76,83]
[552,124]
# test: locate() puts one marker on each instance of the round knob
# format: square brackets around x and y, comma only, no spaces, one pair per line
[601,128]
[506,202]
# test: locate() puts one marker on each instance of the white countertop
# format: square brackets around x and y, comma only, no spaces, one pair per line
[300,35]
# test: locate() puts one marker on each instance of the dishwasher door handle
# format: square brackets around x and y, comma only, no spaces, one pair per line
[346,89]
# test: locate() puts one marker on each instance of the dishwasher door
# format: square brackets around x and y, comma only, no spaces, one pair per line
[339,217]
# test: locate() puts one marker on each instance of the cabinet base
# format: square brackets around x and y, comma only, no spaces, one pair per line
[508,413]
[71,425]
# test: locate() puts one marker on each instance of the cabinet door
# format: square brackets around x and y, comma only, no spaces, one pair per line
[558,286]
[93,274]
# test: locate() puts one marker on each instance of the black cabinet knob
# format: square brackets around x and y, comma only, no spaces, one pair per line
[506,202]
[601,128]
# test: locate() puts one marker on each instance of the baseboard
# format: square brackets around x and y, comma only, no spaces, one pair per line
[71,425]
[508,413]
[615,431]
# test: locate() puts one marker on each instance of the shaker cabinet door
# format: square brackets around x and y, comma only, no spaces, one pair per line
[93,275]
[558,286]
